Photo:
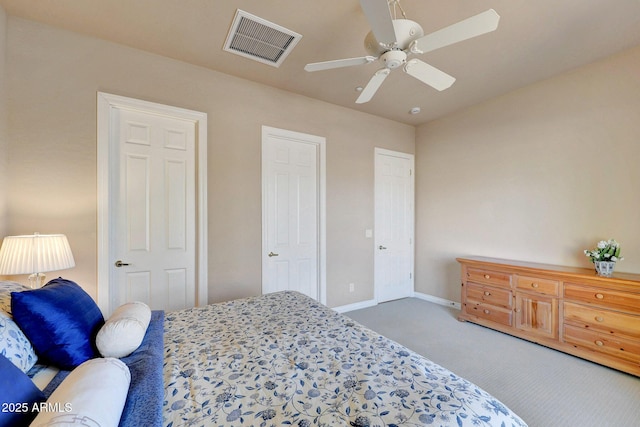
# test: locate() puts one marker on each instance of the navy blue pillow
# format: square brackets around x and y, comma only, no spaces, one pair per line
[18,394]
[61,320]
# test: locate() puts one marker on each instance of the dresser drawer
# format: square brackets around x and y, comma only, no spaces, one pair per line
[489,312]
[489,277]
[489,295]
[602,343]
[607,321]
[535,284]
[616,300]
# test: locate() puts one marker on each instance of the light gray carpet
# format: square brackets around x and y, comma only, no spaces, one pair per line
[545,387]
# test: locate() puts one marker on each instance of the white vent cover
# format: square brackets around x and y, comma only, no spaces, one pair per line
[259,39]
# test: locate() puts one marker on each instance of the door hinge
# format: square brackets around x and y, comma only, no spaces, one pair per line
[410,275]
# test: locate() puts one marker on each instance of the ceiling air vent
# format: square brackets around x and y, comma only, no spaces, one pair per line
[259,39]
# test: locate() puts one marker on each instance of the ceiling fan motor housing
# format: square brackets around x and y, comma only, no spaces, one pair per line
[406,31]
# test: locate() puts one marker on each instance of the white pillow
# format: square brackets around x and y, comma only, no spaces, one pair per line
[93,394]
[5,294]
[123,332]
[14,345]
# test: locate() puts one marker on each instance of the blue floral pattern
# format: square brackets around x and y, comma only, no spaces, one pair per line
[14,345]
[6,288]
[284,359]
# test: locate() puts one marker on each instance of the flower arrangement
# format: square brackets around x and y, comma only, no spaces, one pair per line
[606,250]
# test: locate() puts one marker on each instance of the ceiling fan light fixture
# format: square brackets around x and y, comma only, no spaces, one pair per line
[394,59]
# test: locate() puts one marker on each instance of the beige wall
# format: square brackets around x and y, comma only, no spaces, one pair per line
[3,125]
[53,79]
[538,174]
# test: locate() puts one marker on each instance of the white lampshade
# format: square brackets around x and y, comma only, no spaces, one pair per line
[35,254]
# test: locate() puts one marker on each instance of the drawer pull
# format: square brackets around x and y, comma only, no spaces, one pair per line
[487,293]
[599,319]
[599,343]
[534,285]
[486,311]
[599,296]
[486,276]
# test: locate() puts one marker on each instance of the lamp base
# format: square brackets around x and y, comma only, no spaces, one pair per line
[36,280]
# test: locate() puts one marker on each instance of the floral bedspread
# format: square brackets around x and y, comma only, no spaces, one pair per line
[284,359]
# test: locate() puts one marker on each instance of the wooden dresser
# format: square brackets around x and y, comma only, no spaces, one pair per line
[569,309]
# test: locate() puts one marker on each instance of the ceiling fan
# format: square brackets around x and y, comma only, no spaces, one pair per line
[391,41]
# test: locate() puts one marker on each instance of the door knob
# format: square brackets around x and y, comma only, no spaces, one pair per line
[382,247]
[272,254]
[121,264]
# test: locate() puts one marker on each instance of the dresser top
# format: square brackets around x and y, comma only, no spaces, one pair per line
[564,270]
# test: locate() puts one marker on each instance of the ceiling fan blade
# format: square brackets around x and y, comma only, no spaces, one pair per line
[477,25]
[373,85]
[428,74]
[379,17]
[339,63]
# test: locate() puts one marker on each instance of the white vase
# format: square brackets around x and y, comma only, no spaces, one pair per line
[605,268]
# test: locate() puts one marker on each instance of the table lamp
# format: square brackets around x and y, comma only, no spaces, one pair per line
[35,254]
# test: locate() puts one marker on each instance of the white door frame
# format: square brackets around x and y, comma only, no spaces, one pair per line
[320,142]
[105,153]
[411,158]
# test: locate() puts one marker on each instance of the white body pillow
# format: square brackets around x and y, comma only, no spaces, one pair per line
[93,394]
[123,332]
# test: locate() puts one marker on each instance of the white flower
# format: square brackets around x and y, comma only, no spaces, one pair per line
[605,250]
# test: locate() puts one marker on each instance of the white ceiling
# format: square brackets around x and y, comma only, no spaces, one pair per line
[536,39]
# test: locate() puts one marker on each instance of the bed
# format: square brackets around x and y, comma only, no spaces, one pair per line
[284,359]
[279,359]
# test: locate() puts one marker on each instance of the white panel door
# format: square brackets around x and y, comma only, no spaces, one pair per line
[394,225]
[154,211]
[291,213]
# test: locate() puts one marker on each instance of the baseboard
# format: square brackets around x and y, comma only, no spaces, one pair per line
[437,300]
[419,295]
[355,306]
